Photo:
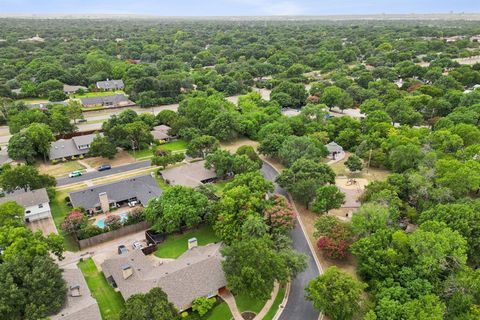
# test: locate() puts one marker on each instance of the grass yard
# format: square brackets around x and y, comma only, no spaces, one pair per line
[177,145]
[141,154]
[219,312]
[276,303]
[32,100]
[177,244]
[110,302]
[97,94]
[246,303]
[60,210]
[59,169]
[161,183]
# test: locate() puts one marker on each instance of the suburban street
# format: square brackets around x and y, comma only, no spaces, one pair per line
[98,174]
[297,308]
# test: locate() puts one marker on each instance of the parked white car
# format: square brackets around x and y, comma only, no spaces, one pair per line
[137,245]
[132,203]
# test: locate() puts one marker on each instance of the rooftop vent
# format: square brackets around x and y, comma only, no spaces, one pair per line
[75,291]
[127,271]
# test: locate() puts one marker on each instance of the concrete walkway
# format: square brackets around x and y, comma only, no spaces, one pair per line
[269,303]
[228,297]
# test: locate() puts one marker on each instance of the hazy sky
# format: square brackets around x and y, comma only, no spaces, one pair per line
[237,7]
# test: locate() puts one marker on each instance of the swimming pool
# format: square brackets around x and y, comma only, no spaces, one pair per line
[101,223]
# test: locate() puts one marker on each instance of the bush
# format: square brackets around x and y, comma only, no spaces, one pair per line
[74,221]
[51,193]
[54,161]
[202,305]
[135,216]
[81,157]
[73,158]
[184,314]
[88,231]
[64,160]
[112,222]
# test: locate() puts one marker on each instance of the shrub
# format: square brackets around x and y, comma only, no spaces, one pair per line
[202,305]
[184,314]
[74,221]
[64,160]
[112,222]
[73,158]
[135,216]
[81,156]
[54,161]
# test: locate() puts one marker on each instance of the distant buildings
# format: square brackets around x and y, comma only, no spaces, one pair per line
[196,273]
[80,304]
[36,38]
[113,101]
[35,202]
[161,133]
[68,89]
[111,85]
[103,197]
[190,174]
[67,148]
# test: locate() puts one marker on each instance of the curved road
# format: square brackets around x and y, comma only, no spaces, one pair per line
[297,308]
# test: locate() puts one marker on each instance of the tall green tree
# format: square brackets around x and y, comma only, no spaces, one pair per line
[328,198]
[153,305]
[336,294]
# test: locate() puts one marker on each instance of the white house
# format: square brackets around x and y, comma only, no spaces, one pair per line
[35,203]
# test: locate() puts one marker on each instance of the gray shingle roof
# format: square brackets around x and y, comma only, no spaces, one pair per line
[196,273]
[334,147]
[64,148]
[143,188]
[27,199]
[161,132]
[68,88]
[113,99]
[83,307]
[110,84]
[190,174]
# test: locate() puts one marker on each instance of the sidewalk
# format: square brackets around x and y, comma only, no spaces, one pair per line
[232,304]
[269,303]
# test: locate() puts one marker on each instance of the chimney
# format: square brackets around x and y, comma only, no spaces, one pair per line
[104,202]
[75,291]
[127,271]
[192,243]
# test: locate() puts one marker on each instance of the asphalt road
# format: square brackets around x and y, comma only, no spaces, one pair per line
[98,174]
[297,308]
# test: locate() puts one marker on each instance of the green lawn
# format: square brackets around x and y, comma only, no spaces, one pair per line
[97,94]
[177,145]
[246,303]
[141,154]
[177,244]
[33,100]
[59,210]
[110,302]
[278,299]
[219,312]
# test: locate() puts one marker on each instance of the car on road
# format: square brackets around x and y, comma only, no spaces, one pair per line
[137,245]
[82,120]
[122,249]
[74,174]
[104,167]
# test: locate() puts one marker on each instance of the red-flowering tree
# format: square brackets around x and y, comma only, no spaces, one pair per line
[112,222]
[74,221]
[335,237]
[280,215]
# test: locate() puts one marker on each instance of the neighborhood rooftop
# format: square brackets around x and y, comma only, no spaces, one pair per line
[190,174]
[27,199]
[196,273]
[114,99]
[80,304]
[143,188]
[110,84]
[161,132]
[75,146]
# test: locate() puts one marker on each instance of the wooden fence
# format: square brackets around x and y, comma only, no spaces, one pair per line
[111,235]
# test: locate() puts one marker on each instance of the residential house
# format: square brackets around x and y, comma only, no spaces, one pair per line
[190,174]
[196,273]
[67,148]
[113,101]
[111,85]
[103,197]
[334,149]
[35,203]
[161,133]
[80,304]
[68,89]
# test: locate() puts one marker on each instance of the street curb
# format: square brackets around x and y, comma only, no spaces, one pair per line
[283,303]
[299,219]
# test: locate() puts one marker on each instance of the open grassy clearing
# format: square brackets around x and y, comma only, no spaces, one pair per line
[174,146]
[110,302]
[176,244]
[96,94]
